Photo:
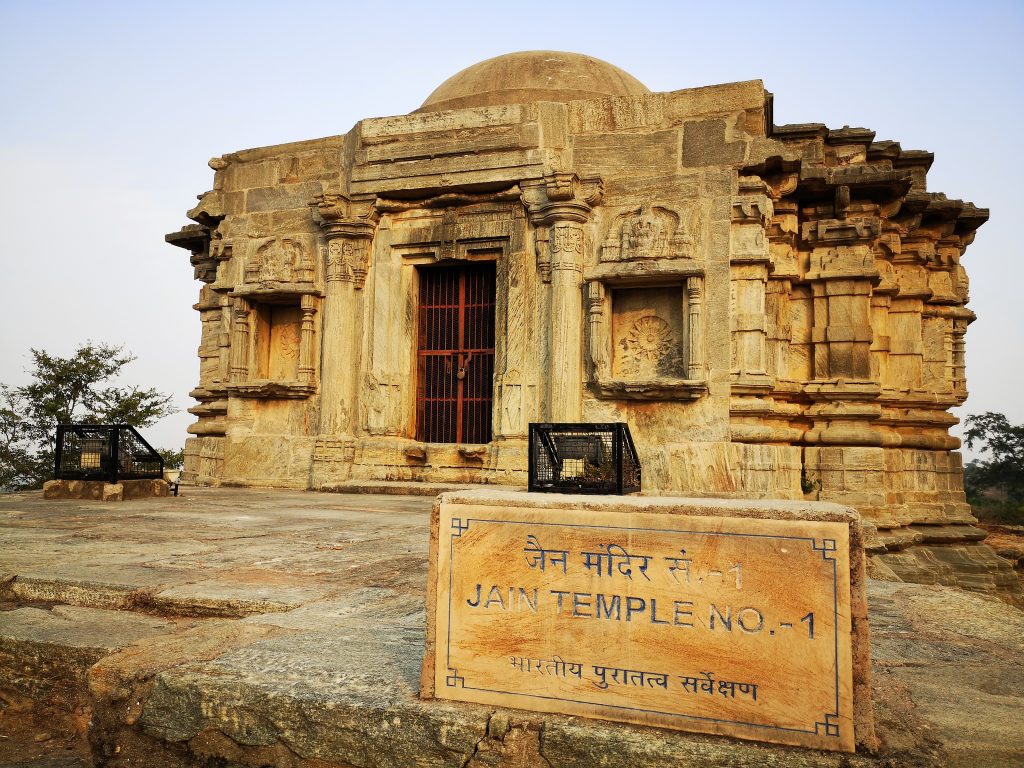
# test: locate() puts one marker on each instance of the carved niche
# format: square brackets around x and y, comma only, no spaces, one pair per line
[648,333]
[650,232]
[646,342]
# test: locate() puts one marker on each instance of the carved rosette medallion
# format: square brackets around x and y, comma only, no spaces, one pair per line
[648,345]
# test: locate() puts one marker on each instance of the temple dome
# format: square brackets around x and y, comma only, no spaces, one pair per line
[528,76]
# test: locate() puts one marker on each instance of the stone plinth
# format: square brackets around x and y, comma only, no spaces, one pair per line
[745,619]
[100,490]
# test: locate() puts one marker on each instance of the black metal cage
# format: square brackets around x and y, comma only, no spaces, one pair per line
[108,452]
[583,458]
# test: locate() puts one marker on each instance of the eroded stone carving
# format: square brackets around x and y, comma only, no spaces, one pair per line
[566,239]
[347,260]
[649,232]
[281,260]
[648,329]
[648,346]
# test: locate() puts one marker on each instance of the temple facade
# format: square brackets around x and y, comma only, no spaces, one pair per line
[777,311]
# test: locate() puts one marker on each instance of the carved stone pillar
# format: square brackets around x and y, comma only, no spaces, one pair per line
[597,324]
[881,303]
[694,331]
[240,342]
[306,365]
[842,274]
[561,206]
[906,337]
[750,263]
[348,225]
[959,368]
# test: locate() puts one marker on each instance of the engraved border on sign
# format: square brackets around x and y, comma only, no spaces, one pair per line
[828,724]
[828,546]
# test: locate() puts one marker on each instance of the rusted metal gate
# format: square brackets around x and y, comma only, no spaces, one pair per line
[455,385]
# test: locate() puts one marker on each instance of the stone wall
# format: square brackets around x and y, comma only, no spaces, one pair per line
[776,311]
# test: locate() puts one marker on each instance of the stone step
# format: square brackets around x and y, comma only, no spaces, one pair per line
[172,595]
[344,692]
[395,487]
[340,691]
[45,655]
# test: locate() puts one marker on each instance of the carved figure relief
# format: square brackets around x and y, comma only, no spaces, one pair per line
[281,260]
[285,338]
[449,234]
[346,259]
[566,239]
[649,232]
[747,241]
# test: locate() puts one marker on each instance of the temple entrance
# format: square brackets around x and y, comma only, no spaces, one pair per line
[455,355]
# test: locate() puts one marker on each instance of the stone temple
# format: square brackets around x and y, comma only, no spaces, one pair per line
[777,311]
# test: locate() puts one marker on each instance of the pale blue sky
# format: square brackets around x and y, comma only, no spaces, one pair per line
[110,111]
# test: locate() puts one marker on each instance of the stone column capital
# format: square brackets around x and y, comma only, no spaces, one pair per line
[348,217]
[349,225]
[561,197]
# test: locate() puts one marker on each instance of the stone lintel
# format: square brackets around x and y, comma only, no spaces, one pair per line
[287,390]
[659,389]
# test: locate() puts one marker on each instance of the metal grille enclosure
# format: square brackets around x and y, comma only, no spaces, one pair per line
[583,458]
[108,452]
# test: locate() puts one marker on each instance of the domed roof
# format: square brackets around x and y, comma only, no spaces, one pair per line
[528,76]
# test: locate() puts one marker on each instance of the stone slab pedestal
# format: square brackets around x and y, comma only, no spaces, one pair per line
[738,618]
[99,490]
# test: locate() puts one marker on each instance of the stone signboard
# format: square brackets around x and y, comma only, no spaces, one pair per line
[728,625]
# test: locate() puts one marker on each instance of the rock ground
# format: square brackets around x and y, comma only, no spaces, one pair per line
[232,627]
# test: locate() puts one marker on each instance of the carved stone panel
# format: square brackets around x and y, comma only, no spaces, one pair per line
[648,338]
[650,232]
[280,260]
[278,341]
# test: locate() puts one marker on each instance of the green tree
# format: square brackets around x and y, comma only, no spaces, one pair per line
[997,478]
[75,389]
[173,459]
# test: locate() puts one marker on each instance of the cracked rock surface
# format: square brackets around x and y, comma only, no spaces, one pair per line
[232,627]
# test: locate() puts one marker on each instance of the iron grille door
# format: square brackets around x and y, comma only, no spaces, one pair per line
[455,384]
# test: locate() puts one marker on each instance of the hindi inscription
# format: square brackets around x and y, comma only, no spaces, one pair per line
[725,625]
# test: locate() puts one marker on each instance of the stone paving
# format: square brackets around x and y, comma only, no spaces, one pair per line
[238,627]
